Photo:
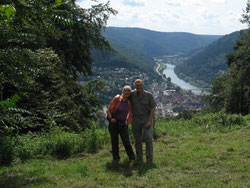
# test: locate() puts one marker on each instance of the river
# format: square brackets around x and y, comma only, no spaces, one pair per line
[169,72]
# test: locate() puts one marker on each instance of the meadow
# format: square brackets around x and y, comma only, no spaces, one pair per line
[211,150]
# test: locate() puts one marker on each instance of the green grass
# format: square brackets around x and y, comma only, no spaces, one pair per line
[192,158]
[162,68]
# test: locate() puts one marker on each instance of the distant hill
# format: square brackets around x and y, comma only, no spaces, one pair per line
[136,47]
[126,57]
[155,43]
[209,62]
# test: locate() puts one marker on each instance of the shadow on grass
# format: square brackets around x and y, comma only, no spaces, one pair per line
[126,167]
[143,168]
[20,179]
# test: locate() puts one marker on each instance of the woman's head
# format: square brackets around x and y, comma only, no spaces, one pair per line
[126,91]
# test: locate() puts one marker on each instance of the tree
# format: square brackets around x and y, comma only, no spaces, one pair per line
[232,91]
[44,45]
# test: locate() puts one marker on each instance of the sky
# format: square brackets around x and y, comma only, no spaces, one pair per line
[213,17]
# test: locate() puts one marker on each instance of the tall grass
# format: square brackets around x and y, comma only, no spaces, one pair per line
[61,144]
[197,124]
[57,142]
[203,151]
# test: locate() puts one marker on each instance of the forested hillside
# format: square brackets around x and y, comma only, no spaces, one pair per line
[209,62]
[130,58]
[135,47]
[155,43]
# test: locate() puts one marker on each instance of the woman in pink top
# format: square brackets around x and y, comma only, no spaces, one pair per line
[119,114]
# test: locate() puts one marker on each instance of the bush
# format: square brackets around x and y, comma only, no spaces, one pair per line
[59,143]
[219,121]
[56,143]
[6,149]
[200,123]
[94,138]
[63,144]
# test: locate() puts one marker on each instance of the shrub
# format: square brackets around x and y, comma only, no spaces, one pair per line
[59,143]
[6,149]
[200,124]
[94,138]
[63,144]
[219,121]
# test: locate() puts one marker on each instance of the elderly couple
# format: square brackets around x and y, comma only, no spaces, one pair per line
[136,107]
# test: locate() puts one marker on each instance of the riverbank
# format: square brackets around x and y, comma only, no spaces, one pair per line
[169,72]
[159,70]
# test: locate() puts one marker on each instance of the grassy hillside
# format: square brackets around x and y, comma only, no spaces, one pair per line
[209,62]
[200,152]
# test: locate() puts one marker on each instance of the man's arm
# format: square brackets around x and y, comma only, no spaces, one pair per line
[116,98]
[151,116]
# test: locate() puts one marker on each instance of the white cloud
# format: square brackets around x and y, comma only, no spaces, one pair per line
[195,16]
[134,2]
[209,16]
[219,1]
[234,16]
[173,3]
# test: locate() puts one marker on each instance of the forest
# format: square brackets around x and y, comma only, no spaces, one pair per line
[44,111]
[210,61]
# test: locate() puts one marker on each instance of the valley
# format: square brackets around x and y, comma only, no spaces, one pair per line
[136,55]
[170,98]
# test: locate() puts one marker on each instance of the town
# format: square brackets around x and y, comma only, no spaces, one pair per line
[170,99]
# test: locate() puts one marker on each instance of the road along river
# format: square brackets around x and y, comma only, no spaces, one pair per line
[169,72]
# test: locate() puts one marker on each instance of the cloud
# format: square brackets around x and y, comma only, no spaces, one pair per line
[219,1]
[233,16]
[195,16]
[210,16]
[133,3]
[173,3]
[203,1]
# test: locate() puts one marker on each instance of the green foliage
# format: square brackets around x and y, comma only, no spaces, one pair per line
[6,149]
[193,124]
[231,92]
[246,15]
[12,101]
[44,45]
[94,138]
[7,11]
[162,68]
[59,143]
[56,142]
